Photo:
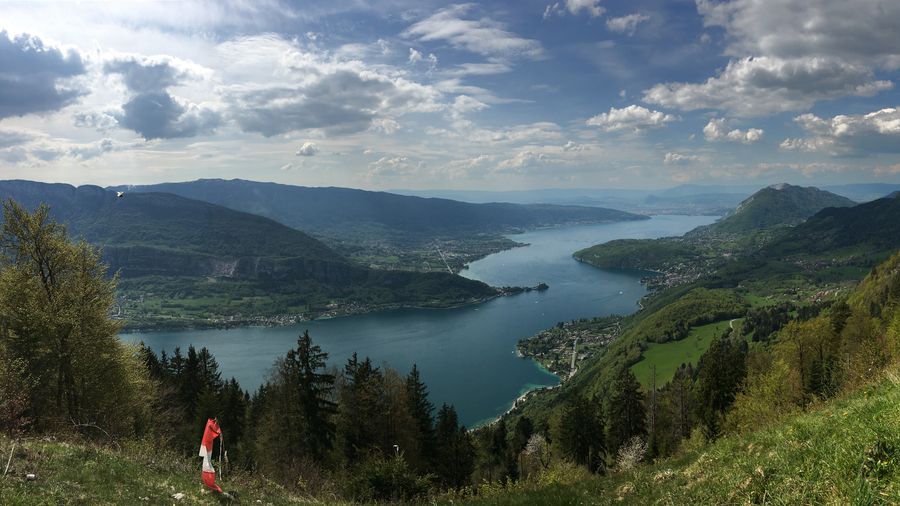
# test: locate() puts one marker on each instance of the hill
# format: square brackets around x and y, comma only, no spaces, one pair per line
[776,206]
[842,453]
[183,260]
[757,221]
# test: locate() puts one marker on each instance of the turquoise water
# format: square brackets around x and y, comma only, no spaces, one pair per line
[466,355]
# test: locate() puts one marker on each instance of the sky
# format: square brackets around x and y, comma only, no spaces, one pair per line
[419,94]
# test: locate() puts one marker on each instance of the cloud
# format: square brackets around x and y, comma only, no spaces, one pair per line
[284,88]
[875,132]
[859,31]
[35,78]
[151,111]
[160,116]
[146,75]
[786,56]
[680,159]
[386,126]
[482,36]
[477,69]
[626,24]
[633,117]
[464,104]
[100,121]
[572,146]
[764,85]
[717,130]
[45,149]
[574,7]
[393,166]
[307,149]
[523,160]
[10,138]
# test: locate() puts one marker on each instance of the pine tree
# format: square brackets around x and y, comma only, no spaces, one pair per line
[455,451]
[579,433]
[626,414]
[422,411]
[720,372]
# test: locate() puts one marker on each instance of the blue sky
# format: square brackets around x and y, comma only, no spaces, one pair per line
[419,94]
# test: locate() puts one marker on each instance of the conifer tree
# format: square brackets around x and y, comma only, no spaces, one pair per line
[579,433]
[626,414]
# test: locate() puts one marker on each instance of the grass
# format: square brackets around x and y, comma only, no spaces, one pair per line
[68,473]
[843,452]
[668,357]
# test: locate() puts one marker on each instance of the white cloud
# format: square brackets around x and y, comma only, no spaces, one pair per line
[477,69]
[386,126]
[764,85]
[414,56]
[573,146]
[482,36]
[307,149]
[875,132]
[786,56]
[394,166]
[672,158]
[626,24]
[522,160]
[633,117]
[464,104]
[574,7]
[717,130]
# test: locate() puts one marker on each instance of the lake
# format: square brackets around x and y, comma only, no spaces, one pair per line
[466,355]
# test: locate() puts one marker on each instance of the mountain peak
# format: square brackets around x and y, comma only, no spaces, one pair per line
[778,205]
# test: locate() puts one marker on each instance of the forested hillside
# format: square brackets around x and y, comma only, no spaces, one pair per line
[185,262]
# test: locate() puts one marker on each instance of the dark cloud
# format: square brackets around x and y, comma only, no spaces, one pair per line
[339,102]
[159,116]
[151,111]
[147,76]
[32,76]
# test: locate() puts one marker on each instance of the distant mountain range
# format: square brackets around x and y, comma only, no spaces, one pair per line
[682,199]
[347,213]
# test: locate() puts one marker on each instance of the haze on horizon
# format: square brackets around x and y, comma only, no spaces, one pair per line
[422,94]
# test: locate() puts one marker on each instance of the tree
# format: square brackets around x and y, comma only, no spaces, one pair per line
[579,433]
[625,410]
[422,411]
[455,452]
[361,420]
[55,297]
[720,372]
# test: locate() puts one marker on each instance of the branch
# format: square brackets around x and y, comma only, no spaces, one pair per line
[95,426]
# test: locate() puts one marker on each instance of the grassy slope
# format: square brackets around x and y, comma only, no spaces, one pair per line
[846,452]
[667,357]
[83,474]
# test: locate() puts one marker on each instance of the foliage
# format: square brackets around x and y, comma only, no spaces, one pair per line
[54,302]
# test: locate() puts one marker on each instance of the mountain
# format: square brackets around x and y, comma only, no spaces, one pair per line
[344,212]
[870,228]
[200,260]
[775,206]
[863,192]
